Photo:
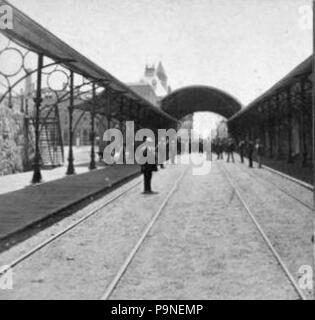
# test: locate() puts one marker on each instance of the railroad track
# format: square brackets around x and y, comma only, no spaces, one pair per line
[66,230]
[264,236]
[122,270]
[112,286]
[110,289]
[289,194]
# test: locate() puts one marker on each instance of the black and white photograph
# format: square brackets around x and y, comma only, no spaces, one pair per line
[157,150]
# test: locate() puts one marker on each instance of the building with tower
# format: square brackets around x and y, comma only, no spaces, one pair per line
[153,86]
[222,130]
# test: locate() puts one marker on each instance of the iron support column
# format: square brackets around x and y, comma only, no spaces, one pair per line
[290,160]
[70,170]
[313,140]
[270,128]
[92,163]
[302,124]
[37,177]
[122,129]
[108,102]
[278,125]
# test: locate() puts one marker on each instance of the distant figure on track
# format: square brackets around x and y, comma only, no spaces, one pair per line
[172,148]
[208,149]
[161,151]
[201,151]
[230,150]
[148,168]
[219,149]
[241,148]
[259,148]
[250,151]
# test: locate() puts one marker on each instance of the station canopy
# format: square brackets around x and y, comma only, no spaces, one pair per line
[30,35]
[302,71]
[200,98]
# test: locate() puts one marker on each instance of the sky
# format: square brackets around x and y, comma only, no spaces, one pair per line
[239,46]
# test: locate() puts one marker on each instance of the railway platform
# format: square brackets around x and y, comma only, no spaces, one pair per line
[222,235]
[23,205]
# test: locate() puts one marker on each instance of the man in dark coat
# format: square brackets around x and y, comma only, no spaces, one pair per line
[259,152]
[172,148]
[219,149]
[230,150]
[148,168]
[250,151]
[241,147]
[161,151]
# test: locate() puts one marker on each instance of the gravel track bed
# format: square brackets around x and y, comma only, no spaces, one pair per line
[81,264]
[204,246]
[291,187]
[287,223]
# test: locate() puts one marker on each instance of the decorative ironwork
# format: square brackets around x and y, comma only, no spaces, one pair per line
[97,92]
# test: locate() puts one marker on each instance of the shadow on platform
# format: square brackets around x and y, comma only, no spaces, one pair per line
[26,207]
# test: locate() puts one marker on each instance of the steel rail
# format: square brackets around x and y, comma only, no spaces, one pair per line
[112,286]
[57,236]
[290,178]
[307,205]
[286,176]
[266,239]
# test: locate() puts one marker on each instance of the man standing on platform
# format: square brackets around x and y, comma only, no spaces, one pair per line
[250,151]
[173,150]
[161,150]
[148,168]
[241,147]
[230,150]
[259,152]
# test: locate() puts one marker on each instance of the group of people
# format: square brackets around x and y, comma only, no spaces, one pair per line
[246,148]
[164,150]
